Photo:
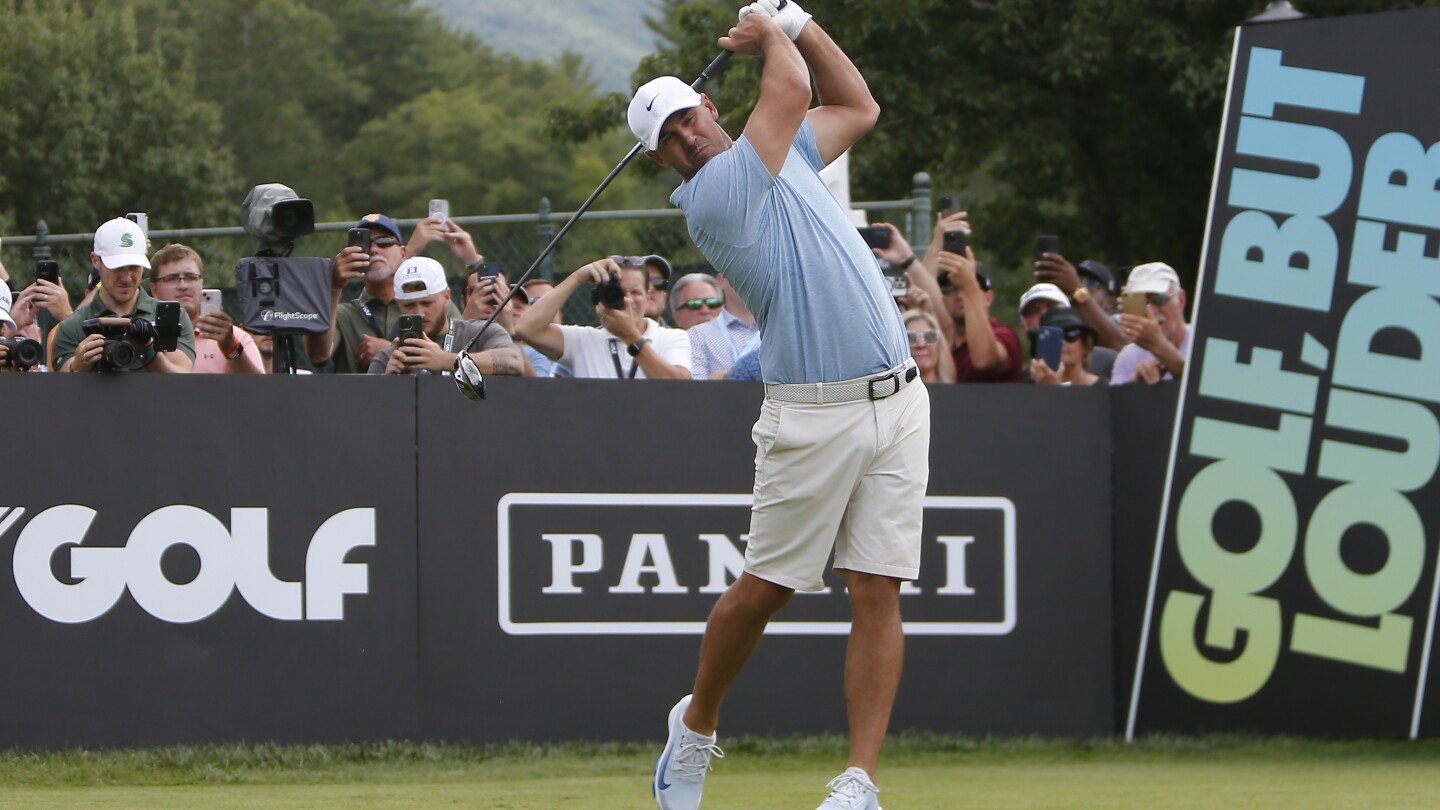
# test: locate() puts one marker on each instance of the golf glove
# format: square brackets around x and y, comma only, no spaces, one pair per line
[786,13]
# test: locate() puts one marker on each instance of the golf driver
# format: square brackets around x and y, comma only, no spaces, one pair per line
[467,375]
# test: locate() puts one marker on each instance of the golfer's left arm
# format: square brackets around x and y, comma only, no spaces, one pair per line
[847,110]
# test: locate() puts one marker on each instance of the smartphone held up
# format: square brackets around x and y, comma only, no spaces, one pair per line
[1047,345]
[875,236]
[440,212]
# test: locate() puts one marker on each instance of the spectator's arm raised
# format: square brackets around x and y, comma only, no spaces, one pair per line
[537,326]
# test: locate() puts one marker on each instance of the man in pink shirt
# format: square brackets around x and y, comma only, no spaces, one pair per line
[177,274]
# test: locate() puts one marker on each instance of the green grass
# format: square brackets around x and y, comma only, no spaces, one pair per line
[918,772]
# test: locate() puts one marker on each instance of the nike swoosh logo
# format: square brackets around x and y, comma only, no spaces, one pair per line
[652,103]
[660,771]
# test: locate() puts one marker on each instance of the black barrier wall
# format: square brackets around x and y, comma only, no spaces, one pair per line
[207,558]
[583,596]
[351,558]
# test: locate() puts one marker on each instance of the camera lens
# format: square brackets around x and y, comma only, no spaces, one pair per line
[611,294]
[119,354]
[22,352]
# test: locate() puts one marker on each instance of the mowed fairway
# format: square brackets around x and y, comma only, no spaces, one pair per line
[920,772]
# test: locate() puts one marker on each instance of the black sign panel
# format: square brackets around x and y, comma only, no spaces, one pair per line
[574,537]
[1295,582]
[207,559]
[294,559]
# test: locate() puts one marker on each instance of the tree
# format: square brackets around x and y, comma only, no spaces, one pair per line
[1094,119]
[92,127]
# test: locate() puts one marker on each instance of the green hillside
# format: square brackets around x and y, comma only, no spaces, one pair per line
[610,34]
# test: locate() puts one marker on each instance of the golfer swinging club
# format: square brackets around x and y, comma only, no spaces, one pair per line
[843,437]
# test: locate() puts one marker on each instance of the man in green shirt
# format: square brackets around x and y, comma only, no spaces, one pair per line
[119,257]
[362,327]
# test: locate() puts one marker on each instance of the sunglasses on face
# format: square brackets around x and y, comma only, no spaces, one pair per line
[1073,334]
[384,241]
[629,262]
[698,303]
[659,283]
[923,338]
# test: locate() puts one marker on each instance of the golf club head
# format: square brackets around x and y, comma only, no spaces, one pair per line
[468,377]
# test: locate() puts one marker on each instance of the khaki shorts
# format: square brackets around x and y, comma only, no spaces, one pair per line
[851,476]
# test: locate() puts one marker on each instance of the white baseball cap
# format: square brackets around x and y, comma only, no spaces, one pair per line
[421,270]
[1153,277]
[121,243]
[5,303]
[1044,291]
[654,103]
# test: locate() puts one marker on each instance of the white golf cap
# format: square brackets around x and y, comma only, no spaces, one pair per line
[654,103]
[419,271]
[120,243]
[1044,291]
[5,303]
[1153,277]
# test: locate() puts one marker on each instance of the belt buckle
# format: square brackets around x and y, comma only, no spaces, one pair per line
[891,376]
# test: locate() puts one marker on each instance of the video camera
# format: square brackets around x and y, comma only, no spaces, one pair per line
[278,295]
[127,338]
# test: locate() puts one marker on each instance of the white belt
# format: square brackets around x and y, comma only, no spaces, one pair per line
[876,387]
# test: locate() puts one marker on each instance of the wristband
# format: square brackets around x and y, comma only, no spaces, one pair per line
[905,265]
[236,350]
[1081,295]
[634,348]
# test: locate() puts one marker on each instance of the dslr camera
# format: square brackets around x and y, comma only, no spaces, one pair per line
[611,294]
[22,353]
[127,338]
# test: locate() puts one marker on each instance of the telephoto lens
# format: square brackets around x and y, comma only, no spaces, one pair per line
[22,352]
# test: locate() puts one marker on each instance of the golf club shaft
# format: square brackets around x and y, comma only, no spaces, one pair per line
[705,75]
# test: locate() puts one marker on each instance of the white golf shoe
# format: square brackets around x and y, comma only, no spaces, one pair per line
[852,790]
[680,771]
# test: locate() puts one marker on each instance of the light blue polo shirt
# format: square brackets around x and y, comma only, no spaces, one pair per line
[793,255]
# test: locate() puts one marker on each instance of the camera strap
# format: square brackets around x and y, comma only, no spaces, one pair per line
[615,358]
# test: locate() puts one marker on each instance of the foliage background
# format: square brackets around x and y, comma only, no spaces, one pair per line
[1093,119]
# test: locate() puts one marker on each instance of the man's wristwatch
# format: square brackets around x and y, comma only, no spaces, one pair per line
[237,349]
[1081,295]
[905,265]
[634,348]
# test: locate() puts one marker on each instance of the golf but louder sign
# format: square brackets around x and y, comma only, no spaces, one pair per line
[1294,580]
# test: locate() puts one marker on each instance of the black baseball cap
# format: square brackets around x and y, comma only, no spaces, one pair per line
[1100,273]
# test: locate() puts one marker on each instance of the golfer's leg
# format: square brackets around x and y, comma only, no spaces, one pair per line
[731,634]
[873,661]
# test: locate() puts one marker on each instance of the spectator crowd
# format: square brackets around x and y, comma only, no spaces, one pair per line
[651,325]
